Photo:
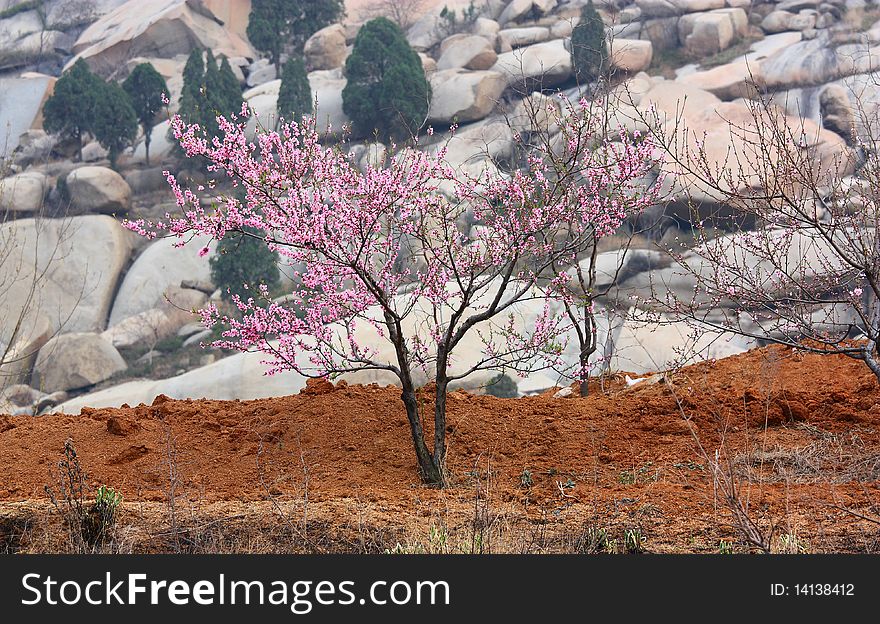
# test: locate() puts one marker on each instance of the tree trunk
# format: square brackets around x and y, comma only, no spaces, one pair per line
[440,427]
[427,469]
[588,348]
[147,145]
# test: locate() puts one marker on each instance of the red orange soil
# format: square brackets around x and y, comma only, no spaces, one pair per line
[801,434]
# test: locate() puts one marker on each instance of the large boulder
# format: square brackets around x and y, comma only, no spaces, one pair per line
[23,193]
[18,358]
[327,89]
[705,34]
[511,38]
[739,79]
[98,190]
[645,347]
[630,55]
[161,146]
[64,269]
[242,376]
[813,62]
[160,267]
[21,105]
[726,132]
[174,310]
[72,361]
[469,52]
[159,28]
[523,10]
[462,96]
[668,8]
[544,64]
[326,49]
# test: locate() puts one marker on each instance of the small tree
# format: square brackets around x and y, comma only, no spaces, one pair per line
[115,123]
[347,227]
[386,89]
[274,24]
[802,269]
[192,93]
[243,264]
[295,95]
[589,52]
[145,87]
[70,110]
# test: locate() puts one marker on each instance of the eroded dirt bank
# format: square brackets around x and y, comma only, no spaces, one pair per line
[334,468]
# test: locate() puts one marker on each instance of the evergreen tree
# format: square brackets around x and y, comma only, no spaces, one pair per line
[244,259]
[115,122]
[70,110]
[208,91]
[295,95]
[589,53]
[192,93]
[145,87]
[276,23]
[386,89]
[230,87]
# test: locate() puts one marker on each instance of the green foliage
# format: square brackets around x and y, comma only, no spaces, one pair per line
[145,87]
[70,110]
[589,53]
[274,24]
[244,258]
[503,387]
[208,91]
[386,90]
[115,122]
[295,95]
[453,23]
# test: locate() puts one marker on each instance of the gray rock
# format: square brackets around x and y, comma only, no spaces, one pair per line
[72,361]
[98,190]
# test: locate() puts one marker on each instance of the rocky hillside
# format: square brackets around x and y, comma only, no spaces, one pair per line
[90,310]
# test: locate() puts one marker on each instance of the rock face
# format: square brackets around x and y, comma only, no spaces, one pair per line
[326,49]
[547,64]
[469,52]
[51,271]
[98,189]
[631,55]
[464,96]
[21,103]
[72,361]
[159,267]
[23,193]
[160,28]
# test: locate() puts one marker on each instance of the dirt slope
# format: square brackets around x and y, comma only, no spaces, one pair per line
[799,432]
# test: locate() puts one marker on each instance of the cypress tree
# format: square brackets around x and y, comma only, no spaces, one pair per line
[386,89]
[295,95]
[589,54]
[115,123]
[70,110]
[145,87]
